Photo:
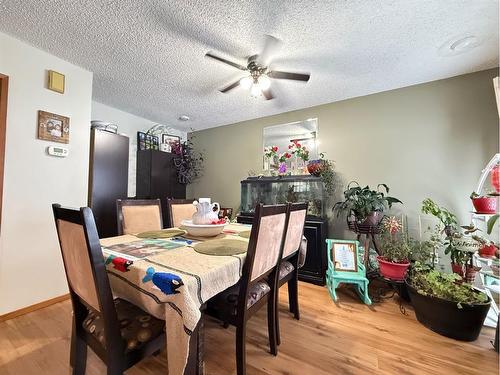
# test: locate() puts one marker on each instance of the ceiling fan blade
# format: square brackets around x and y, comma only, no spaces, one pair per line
[286,75]
[230,87]
[271,47]
[267,94]
[221,59]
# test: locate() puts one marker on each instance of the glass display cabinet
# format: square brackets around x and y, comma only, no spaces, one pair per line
[283,189]
[276,190]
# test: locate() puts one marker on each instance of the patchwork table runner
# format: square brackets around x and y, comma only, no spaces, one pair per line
[170,280]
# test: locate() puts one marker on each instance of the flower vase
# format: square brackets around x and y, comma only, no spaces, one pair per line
[267,163]
[293,164]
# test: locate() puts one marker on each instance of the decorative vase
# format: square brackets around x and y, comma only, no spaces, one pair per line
[485,205]
[391,270]
[314,167]
[458,269]
[470,273]
[267,163]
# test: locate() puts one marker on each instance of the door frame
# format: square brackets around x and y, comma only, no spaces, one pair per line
[4,93]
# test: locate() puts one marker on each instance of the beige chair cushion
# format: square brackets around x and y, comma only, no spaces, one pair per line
[77,262]
[285,269]
[138,219]
[137,326]
[181,212]
[294,232]
[268,244]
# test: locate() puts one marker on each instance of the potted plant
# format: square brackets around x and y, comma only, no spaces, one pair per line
[484,204]
[448,219]
[365,204]
[323,168]
[395,258]
[487,249]
[445,305]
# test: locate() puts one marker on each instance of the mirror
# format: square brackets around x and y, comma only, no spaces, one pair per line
[305,132]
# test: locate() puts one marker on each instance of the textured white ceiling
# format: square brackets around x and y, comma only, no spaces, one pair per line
[148,56]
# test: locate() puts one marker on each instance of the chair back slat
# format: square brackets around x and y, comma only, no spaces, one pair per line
[268,240]
[295,228]
[179,210]
[77,262]
[138,215]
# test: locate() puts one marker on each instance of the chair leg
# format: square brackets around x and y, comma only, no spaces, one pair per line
[293,297]
[272,325]
[240,348]
[78,356]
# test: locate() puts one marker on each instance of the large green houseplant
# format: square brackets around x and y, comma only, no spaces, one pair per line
[365,204]
[446,305]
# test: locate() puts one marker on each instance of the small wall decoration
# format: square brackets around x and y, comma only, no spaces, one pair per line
[147,141]
[52,127]
[344,256]
[169,141]
[56,82]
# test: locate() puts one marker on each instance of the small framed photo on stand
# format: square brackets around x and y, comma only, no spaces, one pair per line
[169,141]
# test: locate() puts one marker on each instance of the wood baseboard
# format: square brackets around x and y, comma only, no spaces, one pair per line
[36,306]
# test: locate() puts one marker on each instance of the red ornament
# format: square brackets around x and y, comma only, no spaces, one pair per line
[495,177]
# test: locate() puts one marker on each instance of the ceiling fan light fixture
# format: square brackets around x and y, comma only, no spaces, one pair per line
[256,91]
[246,82]
[264,82]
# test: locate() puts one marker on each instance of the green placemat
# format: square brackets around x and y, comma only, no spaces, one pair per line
[164,233]
[225,246]
[245,234]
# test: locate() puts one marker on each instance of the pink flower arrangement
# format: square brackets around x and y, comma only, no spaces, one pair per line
[270,151]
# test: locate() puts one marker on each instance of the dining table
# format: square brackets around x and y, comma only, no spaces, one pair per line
[171,280]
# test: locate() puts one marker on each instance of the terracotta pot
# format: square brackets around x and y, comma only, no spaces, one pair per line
[485,205]
[392,271]
[458,269]
[487,251]
[373,218]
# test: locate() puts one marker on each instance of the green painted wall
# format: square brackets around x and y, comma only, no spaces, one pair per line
[429,140]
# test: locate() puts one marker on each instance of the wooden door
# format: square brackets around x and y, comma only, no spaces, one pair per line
[4,87]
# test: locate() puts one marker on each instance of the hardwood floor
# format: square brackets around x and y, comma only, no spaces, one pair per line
[343,338]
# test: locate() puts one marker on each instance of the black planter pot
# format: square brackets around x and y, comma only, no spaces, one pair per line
[445,318]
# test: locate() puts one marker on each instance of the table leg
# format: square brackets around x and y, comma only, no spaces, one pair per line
[195,364]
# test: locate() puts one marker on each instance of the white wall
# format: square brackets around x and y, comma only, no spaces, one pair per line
[129,125]
[31,268]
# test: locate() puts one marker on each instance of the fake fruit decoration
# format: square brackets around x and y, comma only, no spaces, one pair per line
[218,222]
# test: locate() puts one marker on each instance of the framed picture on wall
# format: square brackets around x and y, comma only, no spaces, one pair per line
[52,127]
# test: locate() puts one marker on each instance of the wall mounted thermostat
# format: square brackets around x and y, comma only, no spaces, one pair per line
[61,152]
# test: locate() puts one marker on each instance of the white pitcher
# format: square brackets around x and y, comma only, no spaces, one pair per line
[205,213]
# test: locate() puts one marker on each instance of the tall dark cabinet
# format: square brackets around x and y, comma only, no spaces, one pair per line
[108,178]
[157,178]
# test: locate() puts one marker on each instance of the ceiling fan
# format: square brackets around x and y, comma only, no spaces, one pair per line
[259,76]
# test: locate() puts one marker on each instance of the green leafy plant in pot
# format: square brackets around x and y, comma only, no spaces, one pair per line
[365,204]
[395,249]
[446,305]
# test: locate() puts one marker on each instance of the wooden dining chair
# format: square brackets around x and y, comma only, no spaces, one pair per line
[178,210]
[120,333]
[257,286]
[289,266]
[138,215]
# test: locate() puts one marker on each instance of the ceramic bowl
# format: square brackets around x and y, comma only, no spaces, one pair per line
[202,230]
